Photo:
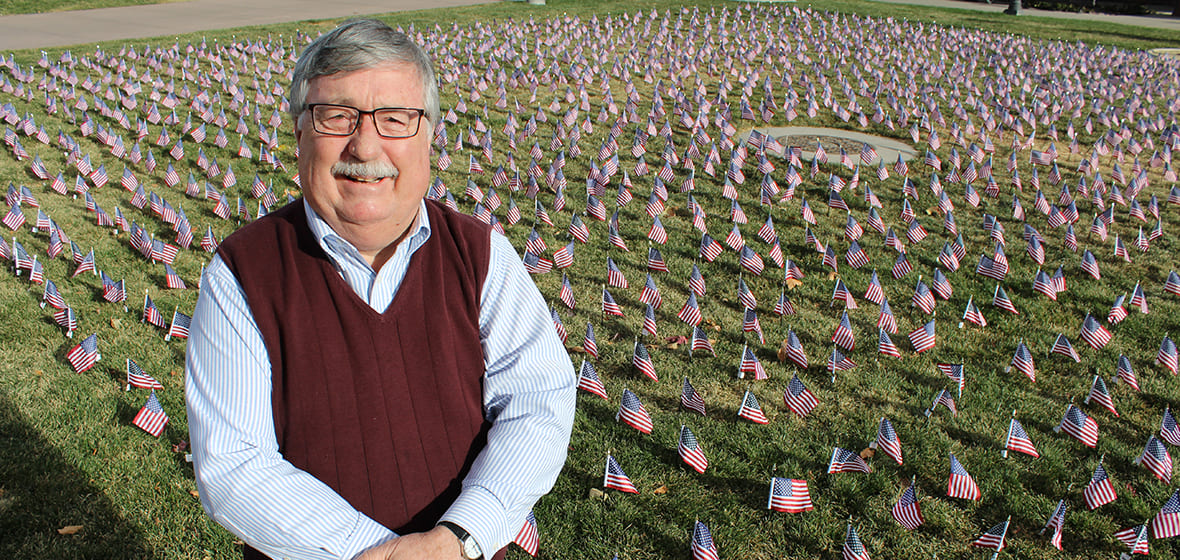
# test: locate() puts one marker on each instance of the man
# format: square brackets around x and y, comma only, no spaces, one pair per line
[370,375]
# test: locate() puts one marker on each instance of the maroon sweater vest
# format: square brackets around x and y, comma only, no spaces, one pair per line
[385,408]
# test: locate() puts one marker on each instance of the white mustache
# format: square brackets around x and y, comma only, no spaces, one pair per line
[366,169]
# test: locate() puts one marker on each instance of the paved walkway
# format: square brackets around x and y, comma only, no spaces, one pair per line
[997,6]
[85,27]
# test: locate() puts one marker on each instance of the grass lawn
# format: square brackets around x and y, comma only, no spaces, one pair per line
[78,480]
[12,7]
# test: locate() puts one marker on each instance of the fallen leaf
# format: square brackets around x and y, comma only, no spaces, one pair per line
[679,339]
[931,211]
[661,490]
[792,283]
[116,323]
[867,453]
[69,529]
[173,373]
[832,275]
[596,494]
[578,350]
[195,494]
[180,447]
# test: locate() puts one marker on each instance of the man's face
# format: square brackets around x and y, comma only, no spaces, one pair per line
[365,210]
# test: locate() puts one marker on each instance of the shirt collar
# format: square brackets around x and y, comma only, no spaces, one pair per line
[337,247]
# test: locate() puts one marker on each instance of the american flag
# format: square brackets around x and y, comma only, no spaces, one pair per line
[843,335]
[874,293]
[1057,523]
[750,410]
[839,362]
[690,450]
[789,495]
[1167,355]
[1099,491]
[614,477]
[901,267]
[853,549]
[1022,361]
[993,538]
[83,356]
[923,337]
[1168,429]
[614,276]
[751,364]
[700,341]
[1167,522]
[944,398]
[1125,373]
[886,320]
[961,485]
[844,460]
[690,313]
[906,511]
[798,398]
[1100,394]
[1135,538]
[690,399]
[750,323]
[1077,424]
[702,543]
[885,344]
[66,319]
[887,440]
[52,296]
[137,378]
[589,381]
[609,306]
[558,325]
[1155,458]
[151,418]
[794,350]
[527,538]
[641,359]
[855,256]
[632,412]
[1062,347]
[655,260]
[567,292]
[1018,439]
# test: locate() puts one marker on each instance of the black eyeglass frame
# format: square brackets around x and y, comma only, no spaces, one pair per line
[372,114]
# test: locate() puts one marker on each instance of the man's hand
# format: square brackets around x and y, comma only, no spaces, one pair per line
[438,543]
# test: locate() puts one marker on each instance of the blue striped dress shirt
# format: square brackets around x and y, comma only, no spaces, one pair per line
[247,486]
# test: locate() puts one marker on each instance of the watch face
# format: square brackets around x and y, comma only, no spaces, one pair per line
[471,549]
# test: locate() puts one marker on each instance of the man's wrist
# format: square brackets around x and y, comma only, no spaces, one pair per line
[468,548]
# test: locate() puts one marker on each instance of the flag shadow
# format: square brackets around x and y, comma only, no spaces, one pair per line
[44,493]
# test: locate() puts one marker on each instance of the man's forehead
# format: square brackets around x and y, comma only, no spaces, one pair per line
[391,78]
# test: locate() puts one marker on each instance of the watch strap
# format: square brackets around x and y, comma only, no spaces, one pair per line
[463,536]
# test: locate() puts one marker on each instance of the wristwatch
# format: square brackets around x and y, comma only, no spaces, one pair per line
[471,549]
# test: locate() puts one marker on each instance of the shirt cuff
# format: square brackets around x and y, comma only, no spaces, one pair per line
[368,534]
[480,513]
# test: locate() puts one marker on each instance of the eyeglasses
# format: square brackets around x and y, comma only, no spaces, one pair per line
[342,120]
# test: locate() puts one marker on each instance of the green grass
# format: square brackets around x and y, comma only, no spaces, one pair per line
[69,455]
[13,7]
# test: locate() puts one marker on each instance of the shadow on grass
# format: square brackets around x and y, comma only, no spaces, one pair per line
[42,492]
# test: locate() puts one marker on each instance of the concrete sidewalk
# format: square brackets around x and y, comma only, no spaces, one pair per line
[86,27]
[998,6]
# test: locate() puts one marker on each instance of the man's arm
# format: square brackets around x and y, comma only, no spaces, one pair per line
[529,394]
[244,482]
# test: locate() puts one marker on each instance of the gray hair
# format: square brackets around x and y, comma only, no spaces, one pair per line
[360,44]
